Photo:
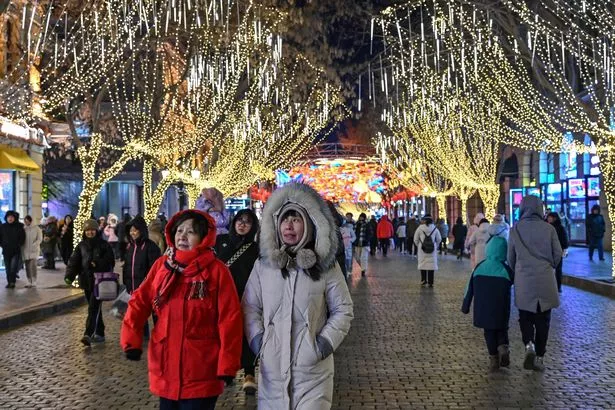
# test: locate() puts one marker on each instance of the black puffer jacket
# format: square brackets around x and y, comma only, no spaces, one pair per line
[228,244]
[140,255]
[12,235]
[91,255]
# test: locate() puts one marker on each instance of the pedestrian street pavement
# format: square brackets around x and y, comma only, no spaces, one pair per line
[408,348]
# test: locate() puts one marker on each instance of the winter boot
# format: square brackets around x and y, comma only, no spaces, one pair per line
[249,385]
[494,363]
[504,354]
[530,355]
[539,365]
[86,340]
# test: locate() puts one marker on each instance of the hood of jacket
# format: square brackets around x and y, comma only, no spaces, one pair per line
[15,214]
[303,196]
[478,218]
[139,223]
[497,249]
[384,219]
[207,243]
[531,208]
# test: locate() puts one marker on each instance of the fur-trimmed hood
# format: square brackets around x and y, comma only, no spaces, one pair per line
[325,234]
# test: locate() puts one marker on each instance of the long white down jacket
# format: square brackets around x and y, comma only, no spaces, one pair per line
[288,315]
[427,261]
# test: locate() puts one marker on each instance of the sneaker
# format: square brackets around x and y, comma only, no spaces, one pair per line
[539,365]
[504,355]
[530,355]
[33,285]
[249,385]
[494,363]
[28,285]
[98,339]
[86,340]
[423,283]
[431,285]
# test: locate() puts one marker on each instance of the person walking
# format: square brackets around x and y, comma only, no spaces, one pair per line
[489,287]
[12,238]
[373,241]
[111,231]
[348,238]
[212,202]
[140,256]
[443,229]
[384,232]
[92,254]
[499,227]
[533,253]
[297,307]
[427,239]
[50,239]
[471,230]
[66,239]
[411,228]
[155,232]
[364,234]
[239,250]
[460,232]
[400,233]
[479,240]
[595,227]
[195,347]
[31,250]
[554,219]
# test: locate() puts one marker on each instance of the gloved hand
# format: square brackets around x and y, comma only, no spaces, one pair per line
[68,281]
[134,354]
[324,346]
[228,380]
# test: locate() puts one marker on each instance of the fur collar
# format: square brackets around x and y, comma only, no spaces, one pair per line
[325,235]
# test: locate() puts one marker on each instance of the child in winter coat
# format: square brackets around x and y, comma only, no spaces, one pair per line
[195,347]
[92,255]
[489,286]
[348,236]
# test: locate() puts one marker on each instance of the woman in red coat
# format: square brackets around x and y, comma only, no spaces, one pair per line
[195,347]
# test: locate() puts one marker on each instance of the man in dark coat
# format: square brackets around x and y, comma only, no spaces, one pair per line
[12,238]
[92,254]
[121,230]
[50,241]
[140,255]
[595,232]
[239,251]
[411,228]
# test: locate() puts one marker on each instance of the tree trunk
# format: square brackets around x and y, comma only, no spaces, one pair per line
[441,199]
[606,153]
[490,198]
[152,198]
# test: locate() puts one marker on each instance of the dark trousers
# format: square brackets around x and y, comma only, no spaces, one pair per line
[205,403]
[12,264]
[412,248]
[535,328]
[596,243]
[495,338]
[50,262]
[94,323]
[248,359]
[427,276]
[558,275]
[66,254]
[443,246]
[384,245]
[373,244]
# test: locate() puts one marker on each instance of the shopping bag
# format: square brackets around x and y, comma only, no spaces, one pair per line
[106,285]
[120,304]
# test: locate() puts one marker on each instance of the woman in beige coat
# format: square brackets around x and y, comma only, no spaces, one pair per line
[31,249]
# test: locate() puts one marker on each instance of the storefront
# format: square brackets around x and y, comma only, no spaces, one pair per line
[516,195]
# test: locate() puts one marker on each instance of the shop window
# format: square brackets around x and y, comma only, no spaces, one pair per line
[546,168]
[7,192]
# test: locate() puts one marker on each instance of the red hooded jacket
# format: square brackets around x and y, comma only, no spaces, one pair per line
[384,229]
[198,336]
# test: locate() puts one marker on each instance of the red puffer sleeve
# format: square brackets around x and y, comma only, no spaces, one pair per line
[230,323]
[139,309]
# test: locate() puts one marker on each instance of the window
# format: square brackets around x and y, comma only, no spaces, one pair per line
[7,192]
[546,168]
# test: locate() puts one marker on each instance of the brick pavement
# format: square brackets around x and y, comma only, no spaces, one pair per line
[409,348]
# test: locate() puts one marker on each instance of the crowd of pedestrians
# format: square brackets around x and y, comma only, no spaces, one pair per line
[229,292]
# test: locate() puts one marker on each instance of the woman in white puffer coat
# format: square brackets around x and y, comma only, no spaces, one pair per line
[297,308]
[478,242]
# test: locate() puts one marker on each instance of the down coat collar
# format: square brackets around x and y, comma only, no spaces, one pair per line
[325,235]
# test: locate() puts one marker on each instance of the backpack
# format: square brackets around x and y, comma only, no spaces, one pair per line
[427,245]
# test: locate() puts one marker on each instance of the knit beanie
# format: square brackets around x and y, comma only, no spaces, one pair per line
[90,225]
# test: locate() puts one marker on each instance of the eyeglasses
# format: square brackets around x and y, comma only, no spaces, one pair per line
[244,222]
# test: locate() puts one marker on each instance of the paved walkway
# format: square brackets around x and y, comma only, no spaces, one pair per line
[409,348]
[578,264]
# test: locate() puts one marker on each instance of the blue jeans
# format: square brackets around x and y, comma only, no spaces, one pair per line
[205,403]
[12,264]
[596,243]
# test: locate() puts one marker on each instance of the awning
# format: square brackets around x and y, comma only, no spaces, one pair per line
[17,159]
